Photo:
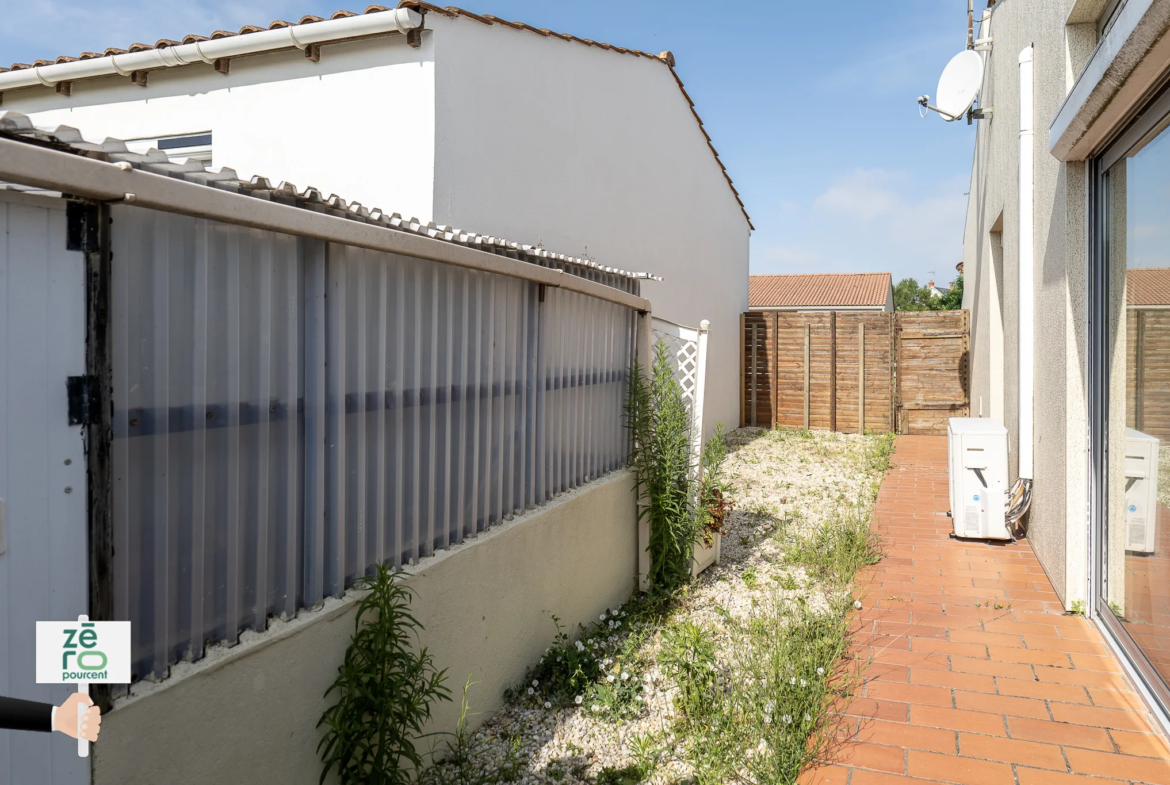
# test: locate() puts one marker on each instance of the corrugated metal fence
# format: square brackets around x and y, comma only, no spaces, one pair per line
[288,412]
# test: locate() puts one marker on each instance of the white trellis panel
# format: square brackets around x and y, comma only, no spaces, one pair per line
[687,347]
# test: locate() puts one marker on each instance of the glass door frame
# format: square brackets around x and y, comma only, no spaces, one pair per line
[1098,359]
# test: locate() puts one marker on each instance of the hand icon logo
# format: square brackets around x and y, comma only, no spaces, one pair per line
[67,720]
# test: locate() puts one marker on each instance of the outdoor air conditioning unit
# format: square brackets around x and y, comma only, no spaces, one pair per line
[1141,490]
[978,450]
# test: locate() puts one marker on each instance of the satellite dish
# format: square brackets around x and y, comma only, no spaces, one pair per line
[958,87]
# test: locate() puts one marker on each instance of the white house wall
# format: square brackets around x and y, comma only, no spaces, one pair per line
[592,151]
[1057,523]
[359,123]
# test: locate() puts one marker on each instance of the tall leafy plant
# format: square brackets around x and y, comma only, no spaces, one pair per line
[659,420]
[384,690]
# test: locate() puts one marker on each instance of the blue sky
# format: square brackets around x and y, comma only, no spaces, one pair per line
[811,105]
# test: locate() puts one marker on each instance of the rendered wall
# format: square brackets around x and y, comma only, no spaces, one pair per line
[249,713]
[592,151]
[359,123]
[1057,523]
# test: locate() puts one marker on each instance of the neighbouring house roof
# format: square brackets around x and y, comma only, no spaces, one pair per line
[823,290]
[449,11]
[1147,286]
[19,127]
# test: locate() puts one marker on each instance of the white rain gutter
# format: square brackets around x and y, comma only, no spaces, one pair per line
[301,36]
[1026,264]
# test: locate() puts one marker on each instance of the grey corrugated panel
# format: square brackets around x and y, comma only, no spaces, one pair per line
[288,413]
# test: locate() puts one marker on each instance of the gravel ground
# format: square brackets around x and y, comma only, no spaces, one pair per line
[779,477]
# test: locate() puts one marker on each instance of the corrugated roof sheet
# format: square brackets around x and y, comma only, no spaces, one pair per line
[450,11]
[17,126]
[1147,286]
[818,290]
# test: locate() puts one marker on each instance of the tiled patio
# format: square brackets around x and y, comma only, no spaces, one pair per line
[978,677]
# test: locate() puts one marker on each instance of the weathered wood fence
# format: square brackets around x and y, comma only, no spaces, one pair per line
[1147,371]
[840,371]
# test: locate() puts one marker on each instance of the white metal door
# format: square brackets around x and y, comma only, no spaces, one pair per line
[42,468]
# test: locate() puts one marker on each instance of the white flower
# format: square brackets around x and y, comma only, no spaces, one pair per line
[531,691]
[610,678]
[625,675]
[792,680]
[558,659]
[767,719]
[648,678]
[578,700]
[580,646]
[803,683]
[535,683]
[857,604]
[807,718]
[547,705]
[596,707]
[820,671]
[787,719]
[768,707]
[638,698]
[602,616]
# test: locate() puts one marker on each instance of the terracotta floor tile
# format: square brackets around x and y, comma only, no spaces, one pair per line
[1012,670]
[1059,733]
[951,768]
[1106,764]
[902,734]
[1107,680]
[874,756]
[1029,688]
[952,679]
[1033,753]
[1146,745]
[909,693]
[1041,777]
[1099,718]
[960,691]
[957,719]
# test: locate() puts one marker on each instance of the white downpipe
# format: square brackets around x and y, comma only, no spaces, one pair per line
[1027,260]
[399,20]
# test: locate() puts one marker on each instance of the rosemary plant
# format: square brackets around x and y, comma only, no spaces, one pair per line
[384,691]
[660,422]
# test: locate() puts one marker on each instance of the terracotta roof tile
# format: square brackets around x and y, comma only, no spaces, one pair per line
[1147,286]
[821,290]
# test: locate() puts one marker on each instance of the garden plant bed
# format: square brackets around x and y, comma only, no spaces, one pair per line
[730,679]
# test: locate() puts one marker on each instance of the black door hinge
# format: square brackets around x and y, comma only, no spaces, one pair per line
[84,400]
[81,227]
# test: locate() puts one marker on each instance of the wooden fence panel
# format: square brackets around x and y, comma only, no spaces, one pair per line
[757,358]
[878,368]
[914,367]
[803,399]
[1147,371]
[932,380]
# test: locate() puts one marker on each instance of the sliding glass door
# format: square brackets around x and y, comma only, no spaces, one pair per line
[1130,393]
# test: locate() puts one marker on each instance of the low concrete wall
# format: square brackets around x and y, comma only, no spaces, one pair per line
[249,713]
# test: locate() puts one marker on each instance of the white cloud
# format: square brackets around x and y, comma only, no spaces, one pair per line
[924,225]
[873,219]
